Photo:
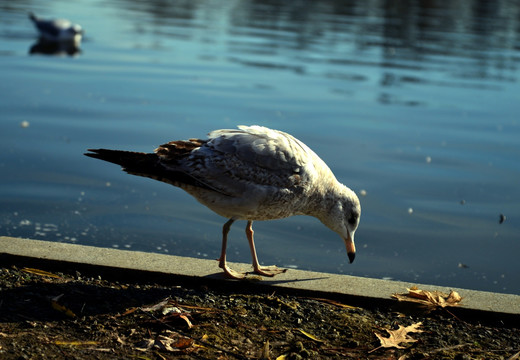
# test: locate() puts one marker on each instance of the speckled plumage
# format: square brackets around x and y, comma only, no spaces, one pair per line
[250,173]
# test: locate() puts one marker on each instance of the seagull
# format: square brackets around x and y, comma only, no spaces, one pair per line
[250,173]
[57,30]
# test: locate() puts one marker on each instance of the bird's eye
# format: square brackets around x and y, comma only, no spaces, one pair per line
[352,220]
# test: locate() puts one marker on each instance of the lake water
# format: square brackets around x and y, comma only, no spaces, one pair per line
[413,103]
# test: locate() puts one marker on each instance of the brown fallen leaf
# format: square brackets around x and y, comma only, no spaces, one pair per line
[183,343]
[127,312]
[174,313]
[431,299]
[310,336]
[265,351]
[173,345]
[155,307]
[397,337]
[169,311]
[515,356]
[188,322]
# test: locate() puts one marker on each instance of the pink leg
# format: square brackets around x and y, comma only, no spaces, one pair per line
[262,270]
[222,260]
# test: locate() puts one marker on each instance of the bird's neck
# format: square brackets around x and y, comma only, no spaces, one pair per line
[321,200]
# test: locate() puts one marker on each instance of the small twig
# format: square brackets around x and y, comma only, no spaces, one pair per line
[451,347]
[377,348]
[158,354]
[454,316]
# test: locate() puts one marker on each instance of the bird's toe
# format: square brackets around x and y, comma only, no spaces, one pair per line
[269,270]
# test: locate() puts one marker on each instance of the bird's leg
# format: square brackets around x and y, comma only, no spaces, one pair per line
[222,260]
[262,270]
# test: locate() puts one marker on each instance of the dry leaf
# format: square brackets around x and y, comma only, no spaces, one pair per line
[264,353]
[185,318]
[431,299]
[168,311]
[183,343]
[515,356]
[127,312]
[398,336]
[61,308]
[310,336]
[178,313]
[174,345]
[159,306]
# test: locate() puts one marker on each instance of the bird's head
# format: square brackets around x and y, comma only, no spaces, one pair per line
[75,34]
[75,30]
[343,217]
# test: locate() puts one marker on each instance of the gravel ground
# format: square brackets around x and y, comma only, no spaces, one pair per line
[77,316]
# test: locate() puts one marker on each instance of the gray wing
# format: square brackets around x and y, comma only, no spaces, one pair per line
[249,159]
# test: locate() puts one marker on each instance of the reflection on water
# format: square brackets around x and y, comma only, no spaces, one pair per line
[54,48]
[415,103]
[471,41]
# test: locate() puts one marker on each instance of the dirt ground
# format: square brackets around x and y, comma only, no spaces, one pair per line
[75,316]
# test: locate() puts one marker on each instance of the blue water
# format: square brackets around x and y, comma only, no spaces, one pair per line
[413,104]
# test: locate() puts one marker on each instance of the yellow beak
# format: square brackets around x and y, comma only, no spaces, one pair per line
[351,247]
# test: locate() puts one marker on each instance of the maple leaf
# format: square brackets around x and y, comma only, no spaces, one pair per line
[398,337]
[432,299]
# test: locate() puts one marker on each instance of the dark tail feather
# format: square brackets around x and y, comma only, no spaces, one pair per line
[132,162]
[147,165]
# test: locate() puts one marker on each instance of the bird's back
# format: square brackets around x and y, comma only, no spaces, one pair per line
[247,173]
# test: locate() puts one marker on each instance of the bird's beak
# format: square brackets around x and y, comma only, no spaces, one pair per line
[351,247]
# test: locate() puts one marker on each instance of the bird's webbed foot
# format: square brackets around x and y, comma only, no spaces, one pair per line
[233,274]
[269,270]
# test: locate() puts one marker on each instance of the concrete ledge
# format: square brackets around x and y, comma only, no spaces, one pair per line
[158,268]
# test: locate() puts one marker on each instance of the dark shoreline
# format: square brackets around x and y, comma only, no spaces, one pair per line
[83,314]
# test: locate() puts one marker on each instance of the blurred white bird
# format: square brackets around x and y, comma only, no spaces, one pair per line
[57,30]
